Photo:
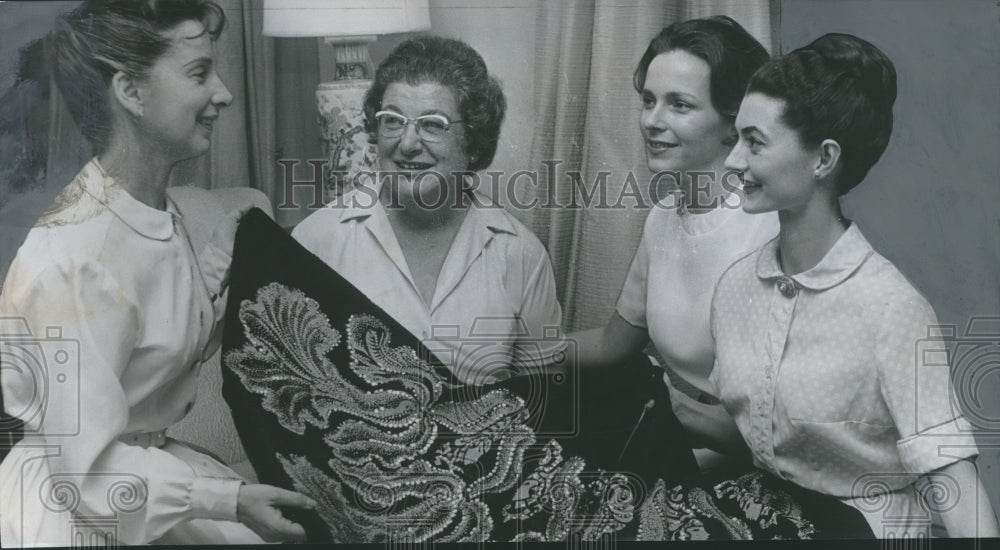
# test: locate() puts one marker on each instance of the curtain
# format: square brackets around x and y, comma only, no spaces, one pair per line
[273,115]
[588,122]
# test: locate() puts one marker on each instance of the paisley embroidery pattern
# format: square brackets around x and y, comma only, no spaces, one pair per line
[400,451]
[389,473]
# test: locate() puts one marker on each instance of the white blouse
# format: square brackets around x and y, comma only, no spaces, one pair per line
[117,312]
[836,380]
[495,303]
[669,287]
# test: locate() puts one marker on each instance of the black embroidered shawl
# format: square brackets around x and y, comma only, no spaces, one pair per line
[334,399]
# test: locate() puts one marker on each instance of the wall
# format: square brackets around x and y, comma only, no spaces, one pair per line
[932,204]
[20,23]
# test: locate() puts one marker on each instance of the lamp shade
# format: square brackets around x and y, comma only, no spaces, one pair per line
[289,18]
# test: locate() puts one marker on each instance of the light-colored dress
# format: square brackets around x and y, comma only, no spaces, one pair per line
[495,302]
[109,312]
[834,377]
[668,290]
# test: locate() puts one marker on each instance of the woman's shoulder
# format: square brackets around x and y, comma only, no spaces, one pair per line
[355,203]
[318,225]
[54,255]
[507,228]
[889,290]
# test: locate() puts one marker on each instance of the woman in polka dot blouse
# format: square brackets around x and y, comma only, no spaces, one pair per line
[817,336]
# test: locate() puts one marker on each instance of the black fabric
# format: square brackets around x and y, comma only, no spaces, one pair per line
[333,398]
[11,430]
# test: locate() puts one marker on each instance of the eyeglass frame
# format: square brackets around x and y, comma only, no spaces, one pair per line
[448,123]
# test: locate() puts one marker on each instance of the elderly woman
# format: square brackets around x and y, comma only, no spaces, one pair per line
[463,275]
[817,355]
[119,303]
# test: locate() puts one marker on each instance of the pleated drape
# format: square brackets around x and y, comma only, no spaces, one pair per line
[587,113]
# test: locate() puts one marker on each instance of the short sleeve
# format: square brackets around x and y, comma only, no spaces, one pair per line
[82,310]
[632,300]
[539,310]
[915,381]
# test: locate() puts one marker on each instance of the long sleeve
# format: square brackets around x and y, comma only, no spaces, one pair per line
[88,405]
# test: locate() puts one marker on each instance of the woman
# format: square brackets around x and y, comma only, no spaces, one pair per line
[816,334]
[461,274]
[691,80]
[122,305]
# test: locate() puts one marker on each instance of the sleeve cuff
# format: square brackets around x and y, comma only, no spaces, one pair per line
[215,498]
[937,447]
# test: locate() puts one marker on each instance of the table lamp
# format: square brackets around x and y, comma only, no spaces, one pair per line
[348,26]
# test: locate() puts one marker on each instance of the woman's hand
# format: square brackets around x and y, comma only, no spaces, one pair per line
[707,426]
[257,508]
[606,346]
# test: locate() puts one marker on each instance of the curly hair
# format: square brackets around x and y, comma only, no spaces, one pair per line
[732,55]
[454,64]
[839,87]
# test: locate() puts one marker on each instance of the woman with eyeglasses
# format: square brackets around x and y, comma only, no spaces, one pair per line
[397,389]
[452,268]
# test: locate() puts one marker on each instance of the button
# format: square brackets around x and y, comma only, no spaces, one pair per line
[787,287]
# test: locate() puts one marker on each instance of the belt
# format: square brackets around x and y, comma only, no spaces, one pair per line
[145,439]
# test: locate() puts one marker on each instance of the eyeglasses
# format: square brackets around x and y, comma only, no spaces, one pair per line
[430,128]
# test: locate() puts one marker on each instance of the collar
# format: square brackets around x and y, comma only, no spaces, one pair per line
[483,220]
[362,204]
[145,220]
[840,262]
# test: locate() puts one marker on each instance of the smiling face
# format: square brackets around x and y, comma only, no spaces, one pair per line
[416,159]
[182,95]
[777,169]
[680,126]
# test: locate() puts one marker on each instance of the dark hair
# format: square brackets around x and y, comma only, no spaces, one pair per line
[731,52]
[88,46]
[839,87]
[454,64]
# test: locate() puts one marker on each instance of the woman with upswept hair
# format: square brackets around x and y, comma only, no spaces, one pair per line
[817,336]
[122,301]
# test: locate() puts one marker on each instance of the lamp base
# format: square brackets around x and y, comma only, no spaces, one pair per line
[342,131]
